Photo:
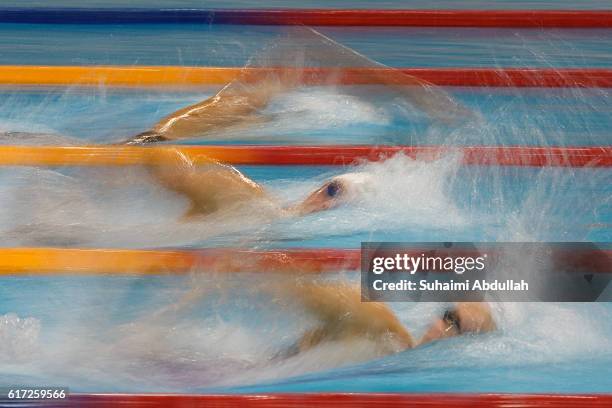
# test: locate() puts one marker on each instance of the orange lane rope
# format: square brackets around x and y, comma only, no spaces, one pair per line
[44,261]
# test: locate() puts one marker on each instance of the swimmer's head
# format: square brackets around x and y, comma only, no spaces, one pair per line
[337,191]
[464,318]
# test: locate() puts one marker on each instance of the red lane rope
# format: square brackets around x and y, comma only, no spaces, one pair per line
[515,77]
[426,18]
[327,400]
[479,77]
[316,17]
[600,156]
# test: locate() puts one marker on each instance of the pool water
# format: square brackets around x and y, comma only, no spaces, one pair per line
[346,115]
[220,333]
[101,334]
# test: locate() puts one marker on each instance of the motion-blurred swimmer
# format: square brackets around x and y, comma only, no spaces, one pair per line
[343,316]
[240,102]
[217,187]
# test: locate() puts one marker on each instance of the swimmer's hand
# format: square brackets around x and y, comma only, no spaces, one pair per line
[144,138]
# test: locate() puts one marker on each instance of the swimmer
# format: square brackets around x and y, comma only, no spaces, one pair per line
[215,186]
[240,102]
[343,316]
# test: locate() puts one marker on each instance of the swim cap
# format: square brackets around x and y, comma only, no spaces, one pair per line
[356,184]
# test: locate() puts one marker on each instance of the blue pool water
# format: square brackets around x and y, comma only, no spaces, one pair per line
[218,45]
[113,334]
[536,117]
[97,334]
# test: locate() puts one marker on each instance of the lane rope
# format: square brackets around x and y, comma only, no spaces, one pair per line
[315,17]
[112,155]
[77,261]
[187,77]
[44,261]
[357,400]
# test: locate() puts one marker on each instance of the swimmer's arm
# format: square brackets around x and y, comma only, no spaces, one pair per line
[339,307]
[207,188]
[237,103]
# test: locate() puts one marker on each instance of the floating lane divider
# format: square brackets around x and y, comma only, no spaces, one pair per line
[332,400]
[586,156]
[74,261]
[43,261]
[315,17]
[187,77]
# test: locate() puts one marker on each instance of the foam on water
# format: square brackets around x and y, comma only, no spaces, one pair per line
[330,106]
[219,337]
[329,109]
[19,338]
[404,194]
